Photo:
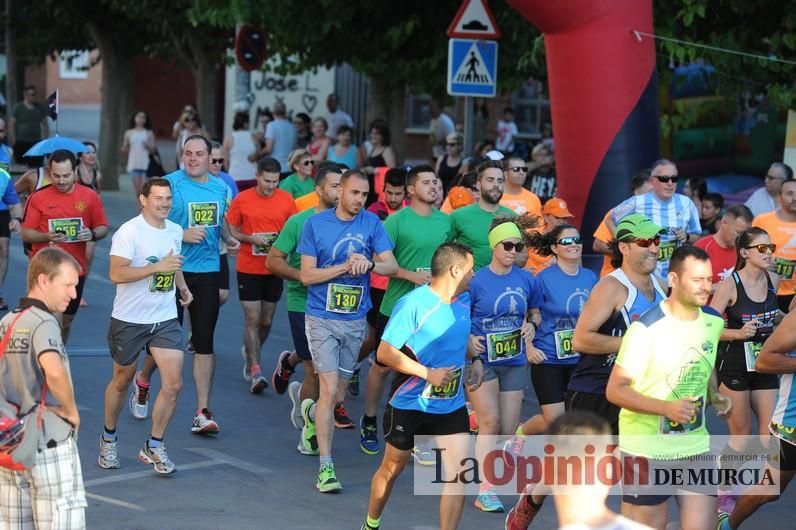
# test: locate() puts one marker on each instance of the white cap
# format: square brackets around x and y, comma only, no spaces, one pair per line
[495,155]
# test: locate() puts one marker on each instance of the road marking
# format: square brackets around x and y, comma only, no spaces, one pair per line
[220,457]
[148,473]
[115,502]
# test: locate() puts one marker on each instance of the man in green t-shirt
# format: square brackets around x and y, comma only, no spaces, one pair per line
[28,125]
[662,380]
[285,262]
[470,225]
[416,231]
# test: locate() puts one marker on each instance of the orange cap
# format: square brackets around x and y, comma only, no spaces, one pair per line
[459,196]
[557,208]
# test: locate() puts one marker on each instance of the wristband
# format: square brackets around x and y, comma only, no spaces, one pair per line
[17,219]
[93,236]
[372,266]
[477,358]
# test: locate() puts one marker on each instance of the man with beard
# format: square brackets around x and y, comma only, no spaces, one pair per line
[470,225]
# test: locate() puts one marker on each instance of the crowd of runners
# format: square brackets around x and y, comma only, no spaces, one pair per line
[461,312]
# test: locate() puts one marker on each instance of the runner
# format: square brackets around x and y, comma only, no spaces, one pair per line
[781,227]
[67,216]
[255,219]
[775,358]
[216,169]
[416,231]
[285,262]
[337,247]
[145,264]
[10,221]
[501,296]
[555,213]
[664,370]
[748,298]
[721,245]
[470,225]
[425,342]
[199,205]
[515,197]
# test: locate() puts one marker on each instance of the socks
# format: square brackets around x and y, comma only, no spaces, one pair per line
[371,522]
[109,435]
[519,432]
[325,460]
[153,442]
[142,385]
[369,420]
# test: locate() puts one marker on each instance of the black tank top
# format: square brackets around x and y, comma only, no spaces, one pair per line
[745,309]
[447,174]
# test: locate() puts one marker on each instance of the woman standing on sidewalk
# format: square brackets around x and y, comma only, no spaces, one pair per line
[138,144]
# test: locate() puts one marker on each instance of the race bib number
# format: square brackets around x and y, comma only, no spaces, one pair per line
[203,214]
[751,352]
[345,299]
[563,340]
[162,282]
[262,250]
[666,249]
[784,268]
[783,432]
[668,426]
[502,346]
[449,391]
[69,227]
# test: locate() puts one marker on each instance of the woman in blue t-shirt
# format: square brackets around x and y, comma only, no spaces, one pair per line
[565,288]
[501,295]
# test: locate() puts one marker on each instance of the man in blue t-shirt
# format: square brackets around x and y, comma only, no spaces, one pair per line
[426,342]
[337,250]
[10,220]
[199,205]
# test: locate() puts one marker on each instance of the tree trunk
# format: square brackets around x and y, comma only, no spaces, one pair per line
[205,72]
[387,101]
[116,103]
[12,88]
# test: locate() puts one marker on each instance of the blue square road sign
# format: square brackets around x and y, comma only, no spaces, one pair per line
[472,67]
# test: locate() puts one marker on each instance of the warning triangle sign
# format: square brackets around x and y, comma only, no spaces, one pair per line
[474,20]
[472,69]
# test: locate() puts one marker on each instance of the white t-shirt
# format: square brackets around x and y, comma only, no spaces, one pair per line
[283,133]
[621,523]
[150,300]
[335,120]
[760,202]
[507,131]
[441,126]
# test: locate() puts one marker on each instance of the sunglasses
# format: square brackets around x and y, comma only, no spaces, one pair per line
[663,179]
[762,247]
[308,163]
[524,169]
[571,240]
[452,144]
[217,160]
[646,243]
[508,246]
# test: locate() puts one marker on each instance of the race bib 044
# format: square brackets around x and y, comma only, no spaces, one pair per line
[504,345]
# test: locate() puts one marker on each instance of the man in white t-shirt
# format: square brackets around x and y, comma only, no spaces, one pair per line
[766,199]
[280,136]
[507,132]
[441,126]
[146,266]
[336,117]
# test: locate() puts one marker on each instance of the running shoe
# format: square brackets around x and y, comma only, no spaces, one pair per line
[723,522]
[203,423]
[368,438]
[108,455]
[293,392]
[189,347]
[353,385]
[727,502]
[139,400]
[258,384]
[158,457]
[522,514]
[327,480]
[366,526]
[423,456]
[488,501]
[513,448]
[3,305]
[247,376]
[308,445]
[341,418]
[281,376]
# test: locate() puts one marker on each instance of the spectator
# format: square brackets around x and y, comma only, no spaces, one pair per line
[695,189]
[240,151]
[547,136]
[190,125]
[280,137]
[303,135]
[28,125]
[449,165]
[319,143]
[4,142]
[344,151]
[507,132]
[542,178]
[301,168]
[380,155]
[336,117]
[712,204]
[138,144]
[441,126]
[767,198]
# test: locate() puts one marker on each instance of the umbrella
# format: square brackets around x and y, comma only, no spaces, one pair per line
[56,143]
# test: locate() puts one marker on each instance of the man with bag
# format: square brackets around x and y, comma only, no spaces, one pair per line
[42,483]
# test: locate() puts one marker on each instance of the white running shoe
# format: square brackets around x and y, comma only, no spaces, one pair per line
[108,455]
[139,400]
[293,390]
[158,458]
[204,423]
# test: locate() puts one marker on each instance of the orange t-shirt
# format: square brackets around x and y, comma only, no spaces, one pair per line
[305,202]
[253,213]
[603,234]
[522,202]
[63,209]
[784,236]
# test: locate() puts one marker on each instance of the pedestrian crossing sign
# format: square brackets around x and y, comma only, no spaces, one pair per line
[472,67]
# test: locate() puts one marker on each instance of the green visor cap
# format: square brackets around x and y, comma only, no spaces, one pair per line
[637,226]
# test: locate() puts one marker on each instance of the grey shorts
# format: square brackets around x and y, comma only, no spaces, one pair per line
[509,378]
[126,340]
[334,344]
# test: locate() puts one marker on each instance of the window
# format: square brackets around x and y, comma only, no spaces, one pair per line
[73,64]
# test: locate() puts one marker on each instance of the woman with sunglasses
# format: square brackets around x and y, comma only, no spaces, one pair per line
[300,181]
[501,296]
[138,143]
[240,150]
[448,166]
[748,299]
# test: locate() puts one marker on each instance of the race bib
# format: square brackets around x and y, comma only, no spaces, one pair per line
[563,340]
[203,214]
[262,250]
[666,249]
[162,282]
[449,391]
[784,267]
[751,352]
[502,346]
[782,432]
[667,426]
[69,227]
[345,299]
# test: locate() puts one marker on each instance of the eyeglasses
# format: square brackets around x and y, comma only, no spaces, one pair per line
[762,247]
[508,246]
[217,160]
[646,243]
[309,162]
[523,169]
[571,240]
[663,179]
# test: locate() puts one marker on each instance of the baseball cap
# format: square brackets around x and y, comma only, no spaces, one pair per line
[557,208]
[637,226]
[495,155]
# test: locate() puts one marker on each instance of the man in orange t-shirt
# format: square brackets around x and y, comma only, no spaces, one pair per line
[515,197]
[255,218]
[781,227]
[66,215]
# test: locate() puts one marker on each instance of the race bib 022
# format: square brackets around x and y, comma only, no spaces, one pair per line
[203,214]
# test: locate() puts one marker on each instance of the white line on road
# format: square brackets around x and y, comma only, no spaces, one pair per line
[115,502]
[220,457]
[148,473]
